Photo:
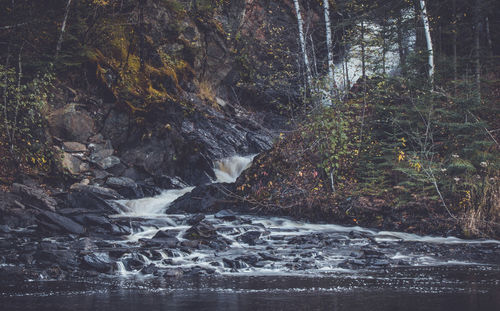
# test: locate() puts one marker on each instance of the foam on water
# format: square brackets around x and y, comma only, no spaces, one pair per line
[285,246]
[152,206]
[229,169]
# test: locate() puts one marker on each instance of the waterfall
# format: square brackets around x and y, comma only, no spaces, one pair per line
[153,205]
[229,169]
[226,170]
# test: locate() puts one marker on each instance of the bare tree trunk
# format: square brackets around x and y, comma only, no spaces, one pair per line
[428,40]
[18,99]
[5,103]
[401,47]
[454,39]
[384,43]
[363,60]
[63,28]
[303,41]
[488,36]
[329,44]
[477,49]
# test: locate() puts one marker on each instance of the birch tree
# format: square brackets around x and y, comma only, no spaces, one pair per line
[302,41]
[329,44]
[428,39]
[63,28]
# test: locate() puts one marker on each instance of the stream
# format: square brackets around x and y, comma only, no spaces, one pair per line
[227,261]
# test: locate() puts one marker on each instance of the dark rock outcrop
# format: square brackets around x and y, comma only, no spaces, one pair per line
[205,199]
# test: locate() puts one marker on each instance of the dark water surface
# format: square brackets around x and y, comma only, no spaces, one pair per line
[444,288]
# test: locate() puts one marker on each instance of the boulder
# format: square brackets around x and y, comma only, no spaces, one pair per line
[108,162]
[204,199]
[267,256]
[37,195]
[151,269]
[98,261]
[226,214]
[73,164]
[126,187]
[249,237]
[101,192]
[167,182]
[62,222]
[74,147]
[201,231]
[87,198]
[195,219]
[71,124]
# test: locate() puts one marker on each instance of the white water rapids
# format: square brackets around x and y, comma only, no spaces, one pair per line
[226,171]
[271,245]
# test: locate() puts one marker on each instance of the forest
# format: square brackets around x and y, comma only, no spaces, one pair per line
[381,115]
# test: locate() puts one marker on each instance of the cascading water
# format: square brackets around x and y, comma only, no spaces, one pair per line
[229,243]
[229,169]
[226,170]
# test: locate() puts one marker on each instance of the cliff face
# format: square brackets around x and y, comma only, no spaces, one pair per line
[182,88]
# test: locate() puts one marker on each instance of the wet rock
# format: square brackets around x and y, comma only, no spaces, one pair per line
[108,162]
[166,182]
[191,243]
[101,192]
[12,273]
[125,187]
[226,215]
[219,244]
[230,263]
[64,258]
[64,223]
[150,269]
[133,263]
[165,234]
[173,273]
[92,198]
[380,262]
[118,252]
[355,235]
[249,237]
[352,264]
[267,256]
[100,152]
[195,219]
[203,199]
[5,229]
[371,253]
[74,147]
[98,261]
[37,195]
[249,259]
[202,230]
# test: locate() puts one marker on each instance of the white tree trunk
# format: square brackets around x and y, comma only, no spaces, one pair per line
[302,41]
[63,28]
[329,44]
[428,39]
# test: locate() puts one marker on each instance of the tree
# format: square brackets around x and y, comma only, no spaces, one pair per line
[428,40]
[303,42]
[329,44]
[63,28]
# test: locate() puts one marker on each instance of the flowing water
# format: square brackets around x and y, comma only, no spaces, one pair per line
[274,263]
